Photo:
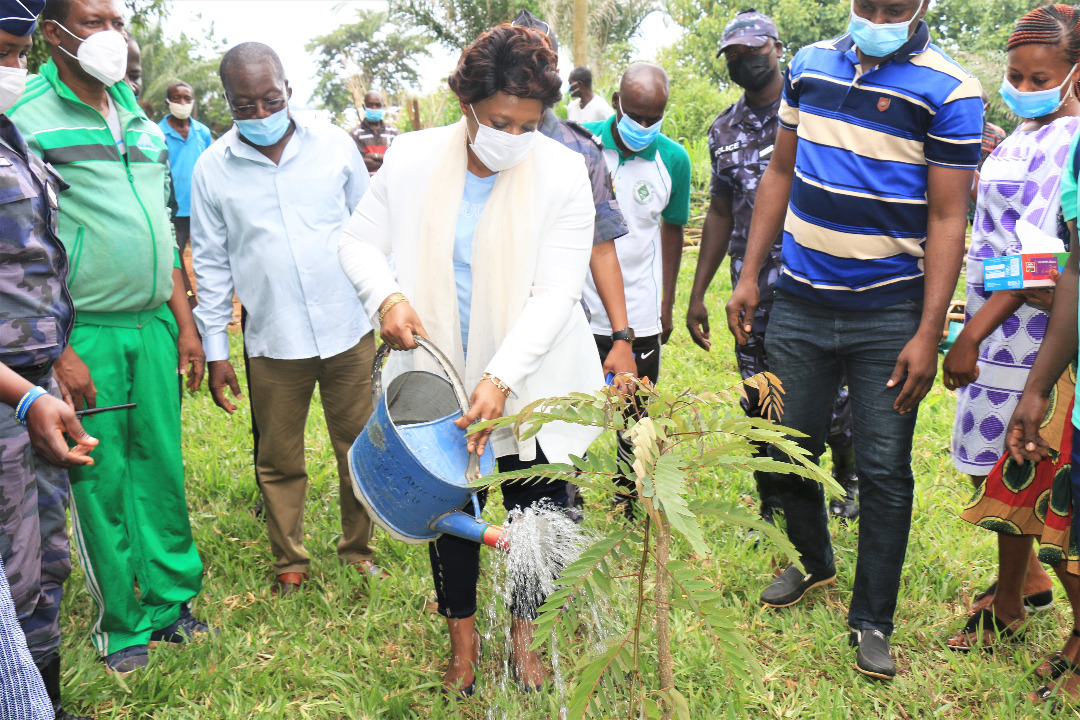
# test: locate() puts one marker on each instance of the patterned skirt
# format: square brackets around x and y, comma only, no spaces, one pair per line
[1036,499]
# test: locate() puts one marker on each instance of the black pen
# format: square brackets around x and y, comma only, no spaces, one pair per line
[95,411]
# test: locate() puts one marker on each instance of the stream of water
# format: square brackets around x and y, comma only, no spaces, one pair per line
[541,542]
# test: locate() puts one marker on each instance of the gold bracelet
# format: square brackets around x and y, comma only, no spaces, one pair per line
[497,383]
[391,302]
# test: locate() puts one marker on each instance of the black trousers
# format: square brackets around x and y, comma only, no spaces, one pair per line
[647,357]
[455,563]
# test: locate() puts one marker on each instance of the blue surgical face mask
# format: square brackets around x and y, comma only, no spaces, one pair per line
[265,131]
[374,114]
[879,40]
[1035,104]
[634,135]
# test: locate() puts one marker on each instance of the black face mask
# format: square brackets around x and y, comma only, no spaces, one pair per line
[751,72]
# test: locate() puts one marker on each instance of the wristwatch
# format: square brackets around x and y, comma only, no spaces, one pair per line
[626,334]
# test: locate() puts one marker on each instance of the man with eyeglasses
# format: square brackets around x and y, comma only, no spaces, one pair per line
[651,177]
[268,202]
[133,333]
[741,143]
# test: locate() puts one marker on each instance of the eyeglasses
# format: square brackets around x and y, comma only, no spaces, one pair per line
[243,112]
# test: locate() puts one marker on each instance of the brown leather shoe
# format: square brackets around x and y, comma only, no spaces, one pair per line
[288,582]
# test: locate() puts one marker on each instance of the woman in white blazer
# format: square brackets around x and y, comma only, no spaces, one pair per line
[490,227]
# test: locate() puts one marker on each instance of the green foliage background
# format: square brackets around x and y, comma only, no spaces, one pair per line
[370,53]
[974,32]
[456,23]
[193,61]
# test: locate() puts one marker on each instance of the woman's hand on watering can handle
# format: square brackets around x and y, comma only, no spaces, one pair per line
[486,403]
[399,325]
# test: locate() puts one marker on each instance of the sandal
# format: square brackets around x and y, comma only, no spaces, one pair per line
[1056,665]
[1045,694]
[1050,695]
[982,621]
[1034,602]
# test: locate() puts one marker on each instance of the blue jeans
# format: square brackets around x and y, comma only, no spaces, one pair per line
[810,348]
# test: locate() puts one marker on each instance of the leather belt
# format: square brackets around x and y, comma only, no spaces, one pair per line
[34,373]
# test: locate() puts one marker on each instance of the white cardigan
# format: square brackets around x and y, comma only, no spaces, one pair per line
[550,350]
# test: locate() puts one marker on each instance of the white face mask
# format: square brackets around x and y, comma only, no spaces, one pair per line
[180,111]
[498,150]
[12,83]
[102,55]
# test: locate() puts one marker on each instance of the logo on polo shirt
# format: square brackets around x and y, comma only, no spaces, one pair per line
[643,192]
[883,104]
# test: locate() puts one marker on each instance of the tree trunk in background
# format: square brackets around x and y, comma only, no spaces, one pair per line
[414,113]
[581,32]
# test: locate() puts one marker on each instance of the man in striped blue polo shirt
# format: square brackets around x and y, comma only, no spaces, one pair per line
[879,138]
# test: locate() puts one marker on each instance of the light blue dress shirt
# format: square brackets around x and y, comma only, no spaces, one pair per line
[473,200]
[270,232]
[183,155]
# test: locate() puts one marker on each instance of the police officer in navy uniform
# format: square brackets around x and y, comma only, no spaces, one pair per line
[740,145]
[36,315]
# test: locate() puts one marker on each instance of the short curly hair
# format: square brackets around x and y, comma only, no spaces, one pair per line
[513,60]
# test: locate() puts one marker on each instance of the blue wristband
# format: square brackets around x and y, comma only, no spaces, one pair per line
[27,400]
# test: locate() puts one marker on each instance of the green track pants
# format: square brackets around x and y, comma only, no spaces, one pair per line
[129,515]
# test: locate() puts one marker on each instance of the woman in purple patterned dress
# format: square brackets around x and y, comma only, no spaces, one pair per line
[1018,195]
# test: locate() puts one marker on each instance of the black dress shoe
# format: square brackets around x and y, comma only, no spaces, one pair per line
[873,657]
[789,587]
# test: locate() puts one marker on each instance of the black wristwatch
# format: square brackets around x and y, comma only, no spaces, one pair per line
[626,334]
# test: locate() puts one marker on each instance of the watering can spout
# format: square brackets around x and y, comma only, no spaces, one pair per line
[467,527]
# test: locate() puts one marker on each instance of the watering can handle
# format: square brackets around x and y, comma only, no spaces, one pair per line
[472,472]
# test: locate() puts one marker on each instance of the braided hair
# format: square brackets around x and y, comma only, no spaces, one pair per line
[1050,25]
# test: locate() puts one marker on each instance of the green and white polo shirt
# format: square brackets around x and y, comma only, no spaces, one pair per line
[650,186]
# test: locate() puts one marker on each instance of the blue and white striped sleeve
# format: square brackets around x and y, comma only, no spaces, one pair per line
[789,99]
[955,135]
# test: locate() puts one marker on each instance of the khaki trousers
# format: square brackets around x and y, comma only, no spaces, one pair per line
[281,393]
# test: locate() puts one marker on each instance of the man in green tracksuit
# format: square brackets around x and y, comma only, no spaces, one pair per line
[133,332]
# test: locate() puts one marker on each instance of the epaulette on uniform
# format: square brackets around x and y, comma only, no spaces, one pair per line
[584,132]
[728,110]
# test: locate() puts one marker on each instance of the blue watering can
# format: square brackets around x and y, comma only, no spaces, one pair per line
[409,466]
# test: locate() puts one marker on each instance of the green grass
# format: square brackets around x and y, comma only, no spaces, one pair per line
[350,648]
